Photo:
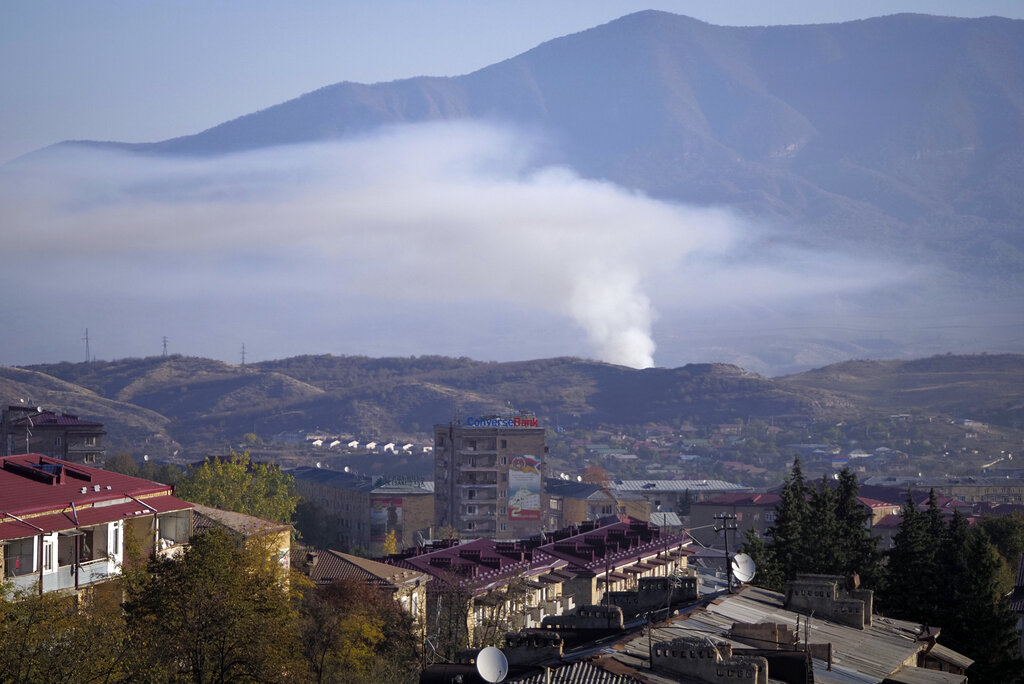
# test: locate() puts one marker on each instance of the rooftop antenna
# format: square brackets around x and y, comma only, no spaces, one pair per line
[86,338]
[164,338]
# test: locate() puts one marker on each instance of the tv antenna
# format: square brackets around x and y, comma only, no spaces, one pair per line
[491,664]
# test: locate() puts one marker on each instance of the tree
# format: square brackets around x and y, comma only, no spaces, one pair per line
[769,575]
[51,638]
[971,606]
[218,613]
[789,533]
[354,632]
[122,462]
[822,533]
[238,484]
[390,544]
[908,589]
[594,474]
[856,549]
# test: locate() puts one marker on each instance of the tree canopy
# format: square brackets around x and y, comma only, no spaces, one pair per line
[238,484]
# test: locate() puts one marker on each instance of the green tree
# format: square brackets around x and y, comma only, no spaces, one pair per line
[788,536]
[908,589]
[822,533]
[219,613]
[238,484]
[856,549]
[769,575]
[973,610]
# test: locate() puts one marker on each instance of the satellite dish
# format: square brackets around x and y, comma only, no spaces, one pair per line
[743,567]
[491,664]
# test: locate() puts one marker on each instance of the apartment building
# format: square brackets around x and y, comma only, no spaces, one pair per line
[489,476]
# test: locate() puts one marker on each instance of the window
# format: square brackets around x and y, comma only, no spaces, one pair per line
[503,511]
[504,527]
[19,557]
[471,494]
[769,516]
[57,440]
[415,605]
[89,441]
[470,510]
[504,445]
[47,556]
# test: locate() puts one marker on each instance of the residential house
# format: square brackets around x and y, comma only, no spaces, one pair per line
[407,587]
[666,495]
[571,502]
[277,536]
[64,526]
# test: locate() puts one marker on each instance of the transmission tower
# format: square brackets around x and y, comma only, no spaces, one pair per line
[86,338]
[243,353]
[164,338]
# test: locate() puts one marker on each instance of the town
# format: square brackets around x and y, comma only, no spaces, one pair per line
[541,559]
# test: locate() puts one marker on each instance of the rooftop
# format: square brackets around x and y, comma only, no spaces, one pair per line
[54,495]
[679,486]
[331,566]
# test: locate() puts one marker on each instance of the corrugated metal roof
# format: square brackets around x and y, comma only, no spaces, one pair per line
[920,675]
[577,673]
[859,656]
[679,486]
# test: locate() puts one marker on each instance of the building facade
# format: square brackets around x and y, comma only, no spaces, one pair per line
[31,429]
[489,476]
[358,513]
[63,526]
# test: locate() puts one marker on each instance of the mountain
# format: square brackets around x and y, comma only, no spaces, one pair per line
[905,131]
[174,402]
[875,167]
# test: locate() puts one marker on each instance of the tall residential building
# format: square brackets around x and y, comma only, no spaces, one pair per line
[489,476]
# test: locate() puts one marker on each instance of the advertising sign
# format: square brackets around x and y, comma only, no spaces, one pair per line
[524,488]
[503,421]
[385,515]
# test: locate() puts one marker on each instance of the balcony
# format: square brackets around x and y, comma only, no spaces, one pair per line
[64,578]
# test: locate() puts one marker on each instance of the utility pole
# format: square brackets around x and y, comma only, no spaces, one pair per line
[728,523]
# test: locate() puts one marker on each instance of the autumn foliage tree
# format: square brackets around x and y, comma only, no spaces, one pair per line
[353,632]
[240,485]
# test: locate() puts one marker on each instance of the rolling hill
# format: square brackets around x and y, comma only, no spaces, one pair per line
[193,404]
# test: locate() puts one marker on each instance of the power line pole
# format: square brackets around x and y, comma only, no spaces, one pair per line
[728,523]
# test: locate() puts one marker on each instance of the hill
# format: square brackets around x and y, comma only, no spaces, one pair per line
[203,405]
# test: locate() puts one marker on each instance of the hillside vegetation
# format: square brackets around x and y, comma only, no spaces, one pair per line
[193,404]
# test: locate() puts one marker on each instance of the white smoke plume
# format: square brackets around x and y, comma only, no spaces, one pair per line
[381,233]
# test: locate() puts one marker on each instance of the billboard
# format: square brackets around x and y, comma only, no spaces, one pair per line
[385,515]
[524,488]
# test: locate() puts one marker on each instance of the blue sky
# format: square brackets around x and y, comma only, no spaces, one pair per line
[143,70]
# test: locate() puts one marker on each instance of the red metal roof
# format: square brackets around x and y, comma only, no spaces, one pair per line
[51,418]
[32,484]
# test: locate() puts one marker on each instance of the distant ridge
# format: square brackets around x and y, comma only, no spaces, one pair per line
[167,403]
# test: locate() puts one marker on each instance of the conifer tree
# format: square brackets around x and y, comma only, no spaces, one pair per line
[789,533]
[822,533]
[906,589]
[768,575]
[975,617]
[856,549]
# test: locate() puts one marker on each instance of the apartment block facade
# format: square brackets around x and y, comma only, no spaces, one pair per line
[489,476]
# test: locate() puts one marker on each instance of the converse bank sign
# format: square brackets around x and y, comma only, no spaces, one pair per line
[503,422]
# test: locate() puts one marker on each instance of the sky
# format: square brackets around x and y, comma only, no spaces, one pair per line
[331,248]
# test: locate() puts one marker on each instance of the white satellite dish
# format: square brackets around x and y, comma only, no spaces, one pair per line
[491,664]
[743,567]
